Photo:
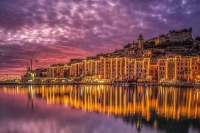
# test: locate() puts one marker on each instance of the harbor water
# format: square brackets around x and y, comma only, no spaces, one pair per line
[99,109]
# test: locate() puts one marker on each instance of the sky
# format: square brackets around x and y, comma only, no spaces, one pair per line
[55,31]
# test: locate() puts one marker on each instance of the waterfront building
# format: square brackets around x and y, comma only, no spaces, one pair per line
[41,72]
[178,68]
[56,70]
[153,70]
[170,68]
[75,68]
[135,63]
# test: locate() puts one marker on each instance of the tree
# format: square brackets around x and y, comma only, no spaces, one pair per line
[127,46]
[152,43]
[197,38]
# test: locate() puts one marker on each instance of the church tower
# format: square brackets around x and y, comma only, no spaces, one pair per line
[140,42]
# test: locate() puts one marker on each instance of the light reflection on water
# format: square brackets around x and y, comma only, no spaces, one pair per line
[148,109]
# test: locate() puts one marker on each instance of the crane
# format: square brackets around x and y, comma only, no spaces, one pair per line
[31,60]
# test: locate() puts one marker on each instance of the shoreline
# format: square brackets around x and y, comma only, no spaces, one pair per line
[80,83]
[114,84]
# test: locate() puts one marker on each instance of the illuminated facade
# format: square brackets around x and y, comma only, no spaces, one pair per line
[174,67]
[58,71]
[131,63]
[179,68]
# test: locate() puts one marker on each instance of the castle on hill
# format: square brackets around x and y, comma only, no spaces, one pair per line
[171,36]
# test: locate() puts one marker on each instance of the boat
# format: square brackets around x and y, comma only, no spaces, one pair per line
[180,84]
[169,84]
[196,84]
[186,85]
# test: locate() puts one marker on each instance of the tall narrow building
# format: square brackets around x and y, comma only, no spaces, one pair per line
[140,42]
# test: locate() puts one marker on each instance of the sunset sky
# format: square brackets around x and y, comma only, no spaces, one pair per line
[54,31]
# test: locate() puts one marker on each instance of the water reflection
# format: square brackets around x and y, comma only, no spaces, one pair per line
[165,108]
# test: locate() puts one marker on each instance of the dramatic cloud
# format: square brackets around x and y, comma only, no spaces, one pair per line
[55,31]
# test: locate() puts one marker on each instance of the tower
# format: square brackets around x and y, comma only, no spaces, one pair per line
[140,42]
